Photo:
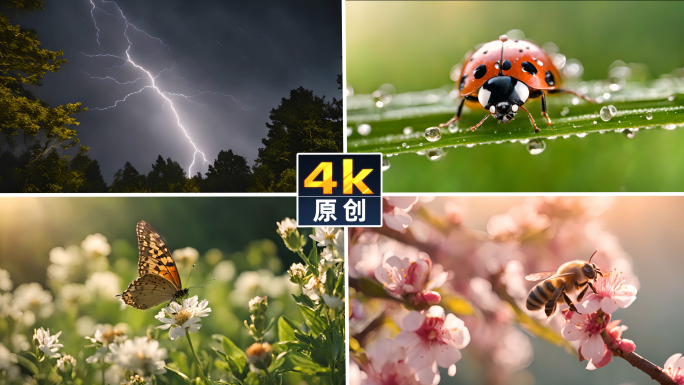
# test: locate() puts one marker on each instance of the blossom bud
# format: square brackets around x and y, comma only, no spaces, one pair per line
[257,307]
[297,273]
[432,297]
[260,355]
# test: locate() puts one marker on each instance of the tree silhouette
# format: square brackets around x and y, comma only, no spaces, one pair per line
[166,176]
[128,180]
[301,123]
[229,173]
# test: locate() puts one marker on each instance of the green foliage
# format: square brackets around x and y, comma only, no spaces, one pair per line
[301,123]
[229,173]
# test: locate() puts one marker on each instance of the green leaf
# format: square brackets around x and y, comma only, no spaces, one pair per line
[232,353]
[387,124]
[297,362]
[285,329]
[302,299]
[179,374]
[313,256]
[313,320]
[181,360]
[27,363]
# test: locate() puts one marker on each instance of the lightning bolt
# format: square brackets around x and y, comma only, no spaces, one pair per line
[147,75]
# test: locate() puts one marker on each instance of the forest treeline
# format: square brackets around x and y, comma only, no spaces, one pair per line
[37,141]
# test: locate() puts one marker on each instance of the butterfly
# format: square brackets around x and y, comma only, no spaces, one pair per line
[159,280]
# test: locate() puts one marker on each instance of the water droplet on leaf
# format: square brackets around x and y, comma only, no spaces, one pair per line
[649,115]
[605,114]
[565,111]
[536,147]
[385,163]
[612,110]
[670,126]
[435,154]
[363,129]
[408,130]
[433,134]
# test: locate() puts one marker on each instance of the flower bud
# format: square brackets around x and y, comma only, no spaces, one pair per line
[260,355]
[432,297]
[257,307]
[287,229]
[297,273]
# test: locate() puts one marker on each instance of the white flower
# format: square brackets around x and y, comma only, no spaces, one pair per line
[105,335]
[142,356]
[32,296]
[287,225]
[114,375]
[7,308]
[104,284]
[183,317]
[297,271]
[67,264]
[327,235]
[186,257]
[6,363]
[65,360]
[224,271]
[332,302]
[315,287]
[20,342]
[287,229]
[46,343]
[328,256]
[96,245]
[5,281]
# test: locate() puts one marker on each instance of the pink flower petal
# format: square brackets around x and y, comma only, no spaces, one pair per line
[397,220]
[435,312]
[609,305]
[420,357]
[427,376]
[382,275]
[671,361]
[447,356]
[572,332]
[407,339]
[594,348]
[589,304]
[413,320]
[607,358]
[404,203]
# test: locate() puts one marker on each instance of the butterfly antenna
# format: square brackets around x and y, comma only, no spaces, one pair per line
[503,39]
[202,284]
[190,273]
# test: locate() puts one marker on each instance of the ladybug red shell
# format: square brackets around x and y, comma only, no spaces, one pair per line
[526,62]
[503,74]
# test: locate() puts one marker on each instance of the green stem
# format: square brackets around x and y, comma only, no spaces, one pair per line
[199,364]
[268,376]
[302,256]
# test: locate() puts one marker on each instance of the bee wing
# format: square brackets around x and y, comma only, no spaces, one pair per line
[540,276]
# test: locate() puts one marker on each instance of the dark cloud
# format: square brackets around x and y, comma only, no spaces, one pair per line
[244,55]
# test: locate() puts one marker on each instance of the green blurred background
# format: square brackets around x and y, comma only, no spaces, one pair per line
[31,227]
[413,45]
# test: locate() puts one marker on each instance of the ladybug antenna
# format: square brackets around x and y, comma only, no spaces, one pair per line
[503,39]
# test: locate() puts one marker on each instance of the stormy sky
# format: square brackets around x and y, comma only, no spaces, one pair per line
[223,64]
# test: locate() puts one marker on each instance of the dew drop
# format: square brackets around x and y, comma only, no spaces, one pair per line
[628,133]
[453,128]
[470,145]
[349,131]
[595,121]
[605,114]
[671,98]
[408,130]
[565,111]
[536,147]
[649,115]
[385,163]
[364,129]
[581,135]
[575,101]
[524,141]
[670,126]
[435,154]
[433,134]
[606,96]
[404,144]
[612,110]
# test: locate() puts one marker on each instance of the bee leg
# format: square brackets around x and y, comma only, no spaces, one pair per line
[592,287]
[569,302]
[582,293]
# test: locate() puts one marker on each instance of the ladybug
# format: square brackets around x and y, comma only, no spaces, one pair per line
[502,75]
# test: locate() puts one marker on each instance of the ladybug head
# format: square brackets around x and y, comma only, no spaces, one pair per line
[502,96]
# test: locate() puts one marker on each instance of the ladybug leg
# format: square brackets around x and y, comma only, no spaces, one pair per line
[531,119]
[482,121]
[456,117]
[569,91]
[548,120]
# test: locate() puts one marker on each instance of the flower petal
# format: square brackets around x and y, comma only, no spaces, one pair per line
[608,305]
[589,304]
[594,348]
[413,321]
[421,356]
[447,356]
[572,332]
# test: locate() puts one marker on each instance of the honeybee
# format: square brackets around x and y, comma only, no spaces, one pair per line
[556,285]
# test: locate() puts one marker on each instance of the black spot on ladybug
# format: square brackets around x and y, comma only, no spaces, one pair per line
[506,65]
[527,47]
[485,52]
[463,79]
[520,50]
[480,71]
[516,40]
[472,58]
[529,68]
[549,78]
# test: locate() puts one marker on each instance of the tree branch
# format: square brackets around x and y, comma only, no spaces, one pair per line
[654,371]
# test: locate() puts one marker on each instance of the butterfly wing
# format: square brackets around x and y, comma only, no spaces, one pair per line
[148,291]
[155,257]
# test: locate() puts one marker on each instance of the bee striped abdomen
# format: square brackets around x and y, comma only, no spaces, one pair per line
[540,295]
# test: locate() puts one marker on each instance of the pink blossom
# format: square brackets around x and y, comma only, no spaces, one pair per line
[395,212]
[587,328]
[387,365]
[432,338]
[403,276]
[674,367]
[615,332]
[612,292]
